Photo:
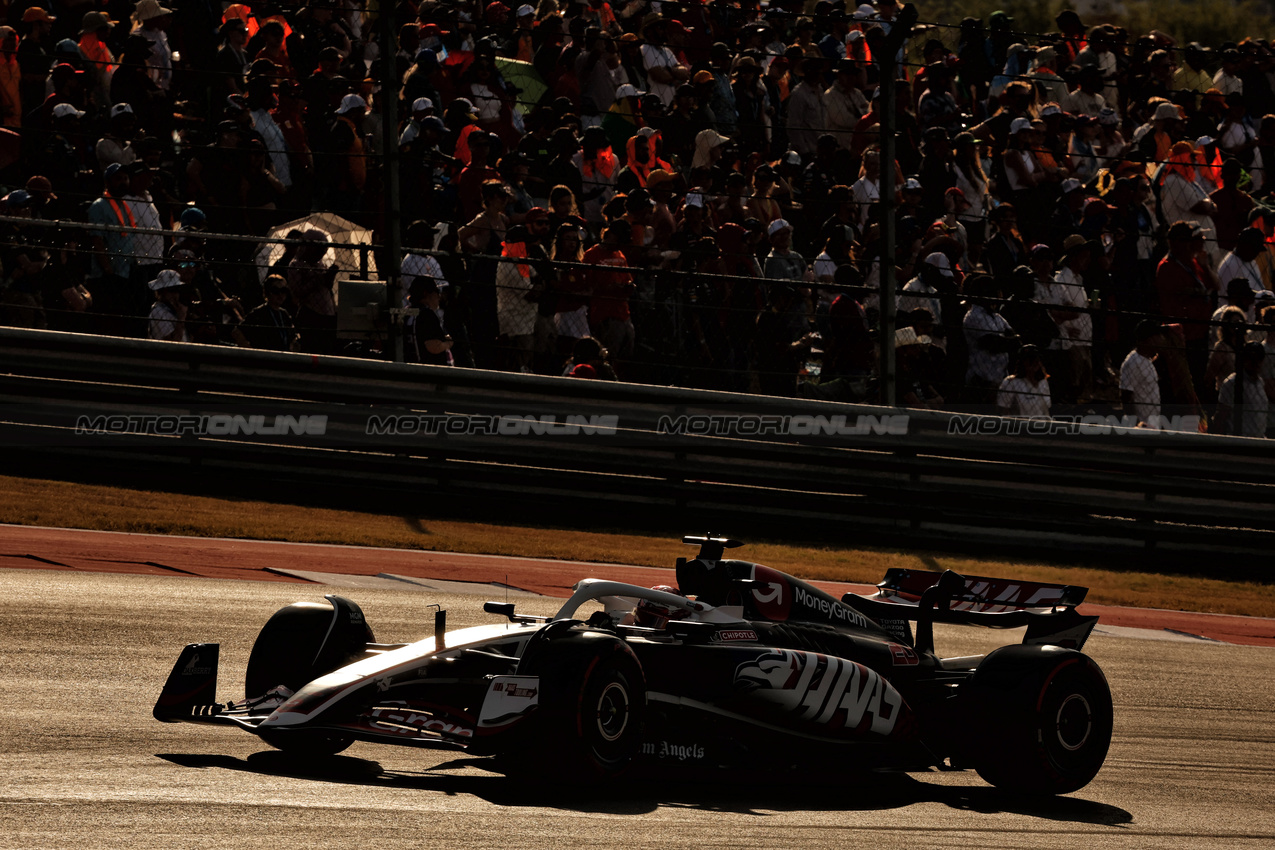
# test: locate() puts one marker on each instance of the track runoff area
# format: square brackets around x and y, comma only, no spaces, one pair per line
[370,568]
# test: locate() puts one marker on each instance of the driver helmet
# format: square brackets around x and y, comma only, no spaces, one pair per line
[653,615]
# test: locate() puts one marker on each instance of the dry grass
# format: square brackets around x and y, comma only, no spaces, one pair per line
[67,505]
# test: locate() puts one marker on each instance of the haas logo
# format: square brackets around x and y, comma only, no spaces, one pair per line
[192,667]
[822,689]
[773,601]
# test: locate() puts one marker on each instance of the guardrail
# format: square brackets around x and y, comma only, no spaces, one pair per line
[422,439]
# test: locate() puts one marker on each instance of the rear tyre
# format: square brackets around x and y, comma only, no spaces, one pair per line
[297,645]
[1044,719]
[592,706]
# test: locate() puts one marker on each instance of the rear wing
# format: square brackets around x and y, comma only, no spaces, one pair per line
[1047,610]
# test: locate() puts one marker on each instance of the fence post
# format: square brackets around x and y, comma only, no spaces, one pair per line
[886,48]
[389,144]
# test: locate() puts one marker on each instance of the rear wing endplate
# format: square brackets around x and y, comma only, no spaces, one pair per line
[1047,610]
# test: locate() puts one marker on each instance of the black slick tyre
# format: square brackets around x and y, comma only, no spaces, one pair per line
[592,706]
[1043,719]
[298,644]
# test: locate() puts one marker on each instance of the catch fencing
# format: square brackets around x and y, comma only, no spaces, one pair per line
[426,441]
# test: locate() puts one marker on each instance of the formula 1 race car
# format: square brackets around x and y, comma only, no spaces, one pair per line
[741,666]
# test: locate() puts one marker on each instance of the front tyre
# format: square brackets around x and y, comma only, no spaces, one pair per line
[592,705]
[1043,717]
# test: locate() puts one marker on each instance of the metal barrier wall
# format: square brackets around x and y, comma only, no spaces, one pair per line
[513,447]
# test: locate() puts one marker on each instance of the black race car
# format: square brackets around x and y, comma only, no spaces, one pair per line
[740,666]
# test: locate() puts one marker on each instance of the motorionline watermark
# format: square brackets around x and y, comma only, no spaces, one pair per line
[494,425]
[1088,425]
[838,425]
[206,425]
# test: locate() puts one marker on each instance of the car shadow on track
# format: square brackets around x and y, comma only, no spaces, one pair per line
[758,794]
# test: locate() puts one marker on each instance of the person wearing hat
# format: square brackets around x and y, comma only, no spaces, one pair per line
[151,21]
[1050,87]
[1193,74]
[26,265]
[232,60]
[168,314]
[783,263]
[751,105]
[95,28]
[664,71]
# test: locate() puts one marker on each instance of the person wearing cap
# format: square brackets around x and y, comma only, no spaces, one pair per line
[34,56]
[934,277]
[721,101]
[95,28]
[1185,288]
[1050,87]
[1139,380]
[116,144]
[1227,80]
[1240,263]
[1068,301]
[1252,418]
[1082,156]
[783,263]
[1193,75]
[346,141]
[1023,170]
[113,251]
[25,264]
[664,71]
[683,123]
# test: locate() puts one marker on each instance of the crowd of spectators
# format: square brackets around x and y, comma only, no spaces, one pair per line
[674,192]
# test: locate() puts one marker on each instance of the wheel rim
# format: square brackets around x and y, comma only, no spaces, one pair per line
[1074,722]
[613,712]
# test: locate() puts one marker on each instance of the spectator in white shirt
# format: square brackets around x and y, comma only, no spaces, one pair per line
[989,339]
[1241,262]
[1139,382]
[663,70]
[1026,392]
[1250,420]
[1068,301]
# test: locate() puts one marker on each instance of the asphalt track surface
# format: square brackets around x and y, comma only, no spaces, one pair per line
[83,654]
